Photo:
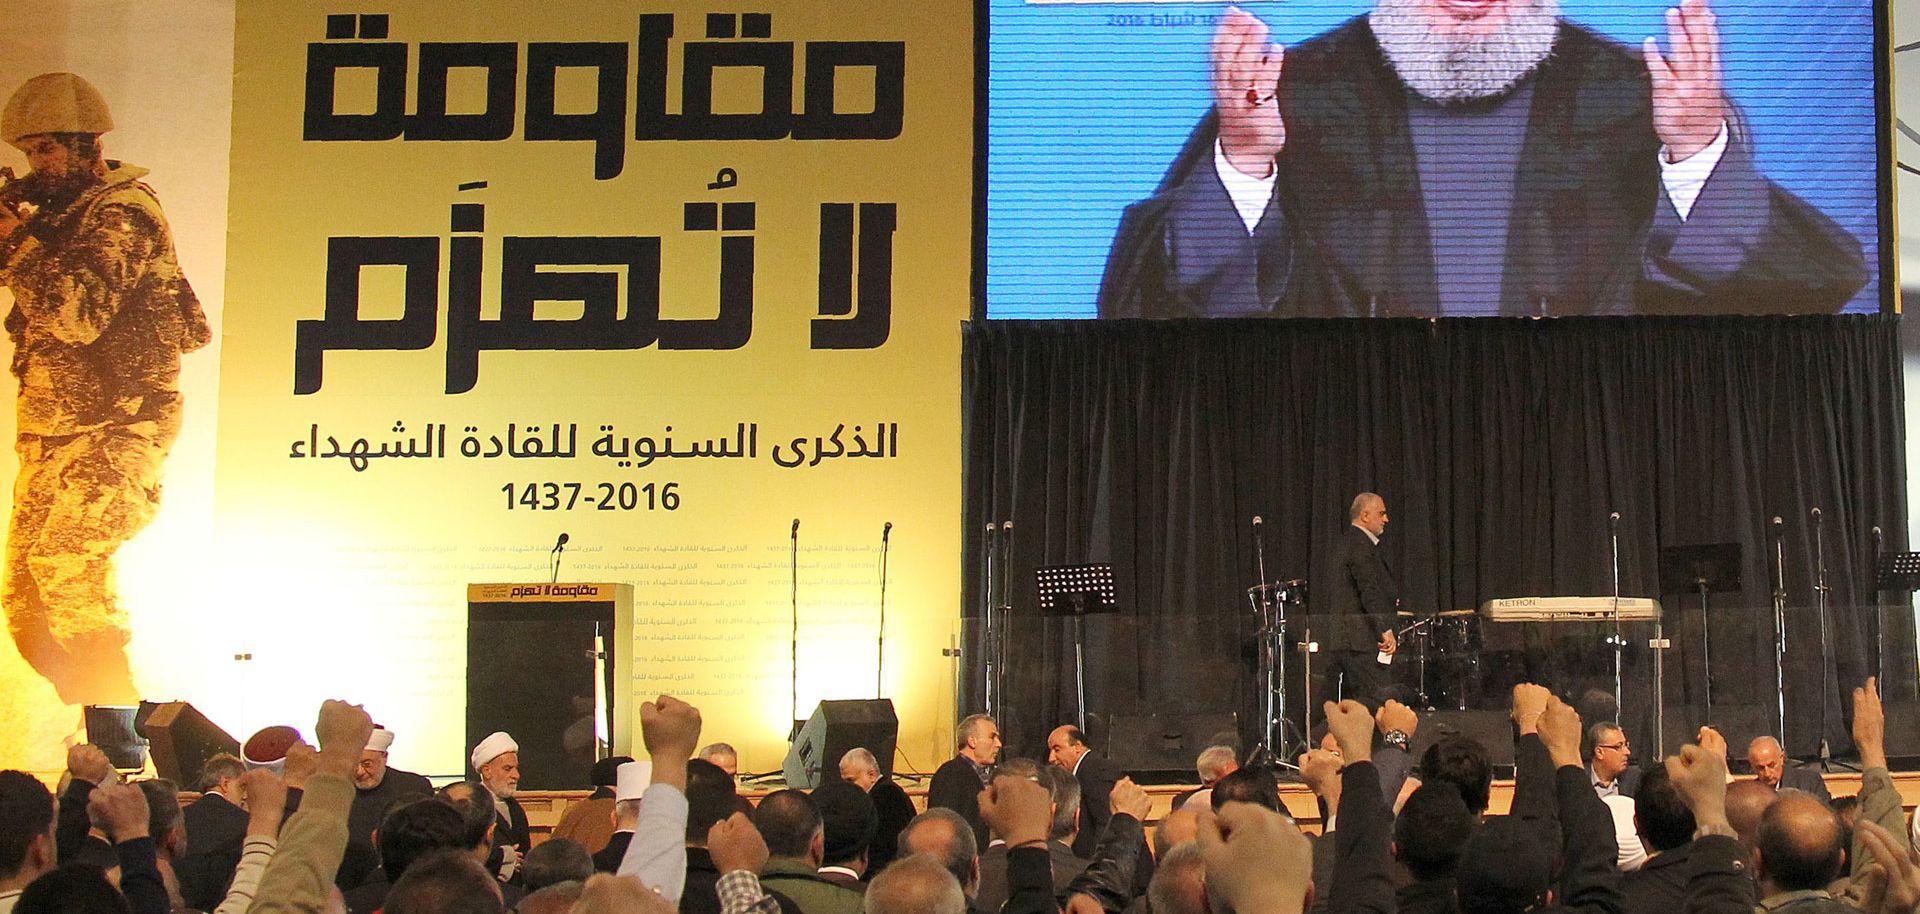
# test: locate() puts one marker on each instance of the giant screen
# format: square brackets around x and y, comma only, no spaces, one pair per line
[1327,158]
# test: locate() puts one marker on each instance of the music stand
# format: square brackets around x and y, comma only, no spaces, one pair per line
[1701,569]
[1898,572]
[1077,591]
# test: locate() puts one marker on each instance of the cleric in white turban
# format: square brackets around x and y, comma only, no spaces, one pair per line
[497,759]
[377,788]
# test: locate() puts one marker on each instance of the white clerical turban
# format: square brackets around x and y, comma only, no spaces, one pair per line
[493,747]
[633,780]
[379,740]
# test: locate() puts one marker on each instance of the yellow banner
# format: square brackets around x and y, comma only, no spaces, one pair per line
[680,283]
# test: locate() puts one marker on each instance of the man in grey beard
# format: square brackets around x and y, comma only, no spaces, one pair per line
[1442,157]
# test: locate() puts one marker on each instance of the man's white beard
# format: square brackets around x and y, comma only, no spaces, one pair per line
[1454,68]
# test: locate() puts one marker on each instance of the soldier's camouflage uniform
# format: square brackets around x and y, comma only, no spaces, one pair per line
[101,317]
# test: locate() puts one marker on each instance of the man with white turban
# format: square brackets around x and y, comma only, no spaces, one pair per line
[377,788]
[497,760]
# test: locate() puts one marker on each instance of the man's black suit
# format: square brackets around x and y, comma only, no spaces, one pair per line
[1359,607]
[1590,228]
[607,859]
[894,810]
[216,831]
[1097,775]
[1807,780]
[956,786]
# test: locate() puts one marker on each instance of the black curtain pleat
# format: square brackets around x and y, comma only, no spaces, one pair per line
[1501,446]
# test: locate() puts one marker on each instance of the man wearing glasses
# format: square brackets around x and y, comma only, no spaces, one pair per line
[1610,762]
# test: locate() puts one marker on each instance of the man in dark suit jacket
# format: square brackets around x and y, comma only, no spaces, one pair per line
[1067,749]
[216,830]
[956,785]
[1770,766]
[1610,761]
[890,804]
[1357,623]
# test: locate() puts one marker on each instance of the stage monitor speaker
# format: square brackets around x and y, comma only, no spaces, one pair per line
[112,728]
[1903,729]
[1168,743]
[834,728]
[182,739]
[1493,729]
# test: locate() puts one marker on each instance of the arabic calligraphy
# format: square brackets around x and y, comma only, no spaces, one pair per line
[561,442]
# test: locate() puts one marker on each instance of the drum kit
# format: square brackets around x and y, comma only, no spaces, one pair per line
[1443,646]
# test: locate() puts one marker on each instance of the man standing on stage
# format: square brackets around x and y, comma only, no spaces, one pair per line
[101,316]
[1361,605]
[956,785]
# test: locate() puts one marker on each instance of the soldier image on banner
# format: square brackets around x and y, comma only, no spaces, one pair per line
[101,316]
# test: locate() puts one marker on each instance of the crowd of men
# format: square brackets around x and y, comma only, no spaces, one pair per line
[337,829]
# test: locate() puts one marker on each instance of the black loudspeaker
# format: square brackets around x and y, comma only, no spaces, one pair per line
[1167,743]
[111,727]
[1903,729]
[1493,729]
[834,728]
[182,740]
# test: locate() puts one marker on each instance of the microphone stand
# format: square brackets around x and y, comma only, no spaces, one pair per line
[1618,640]
[1879,609]
[1780,625]
[988,548]
[880,645]
[794,644]
[1826,651]
[1005,609]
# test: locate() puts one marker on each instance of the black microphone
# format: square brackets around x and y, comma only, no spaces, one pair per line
[1816,515]
[560,543]
[553,569]
[796,528]
[1257,520]
[884,531]
[1613,518]
[1779,526]
[1006,527]
[1876,534]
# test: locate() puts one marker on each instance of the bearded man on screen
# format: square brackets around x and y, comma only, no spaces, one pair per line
[1440,157]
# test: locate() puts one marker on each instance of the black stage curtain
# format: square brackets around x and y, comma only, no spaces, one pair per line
[1501,446]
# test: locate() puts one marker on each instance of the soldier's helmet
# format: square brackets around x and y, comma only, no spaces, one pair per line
[54,103]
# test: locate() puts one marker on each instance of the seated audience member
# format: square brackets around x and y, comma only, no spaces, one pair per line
[1665,826]
[1063,793]
[480,835]
[558,898]
[445,882]
[710,800]
[657,858]
[1610,761]
[555,861]
[723,756]
[1462,762]
[630,782]
[1179,882]
[790,824]
[945,836]
[890,804]
[957,783]
[216,828]
[591,821]
[1801,850]
[1432,828]
[497,761]
[915,885]
[1254,785]
[77,888]
[409,831]
[377,787]
[27,848]
[1213,763]
[848,820]
[1771,767]
[168,829]
[1747,801]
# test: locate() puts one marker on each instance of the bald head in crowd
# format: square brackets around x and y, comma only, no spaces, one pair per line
[915,885]
[1800,843]
[1179,882]
[944,835]
[1747,801]
[1767,760]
